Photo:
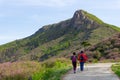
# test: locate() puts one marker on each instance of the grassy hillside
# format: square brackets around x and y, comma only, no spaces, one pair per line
[93,17]
[58,40]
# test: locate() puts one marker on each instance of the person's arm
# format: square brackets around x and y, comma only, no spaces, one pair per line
[78,57]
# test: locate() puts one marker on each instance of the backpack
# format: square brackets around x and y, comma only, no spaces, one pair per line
[81,57]
[73,58]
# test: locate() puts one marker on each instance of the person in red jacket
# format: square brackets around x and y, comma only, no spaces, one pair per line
[82,57]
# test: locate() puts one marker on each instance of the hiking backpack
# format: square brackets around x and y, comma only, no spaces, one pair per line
[74,58]
[81,57]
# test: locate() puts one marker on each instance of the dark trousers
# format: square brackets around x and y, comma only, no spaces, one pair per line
[74,65]
[81,66]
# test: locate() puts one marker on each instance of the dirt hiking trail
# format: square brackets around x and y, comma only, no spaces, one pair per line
[97,71]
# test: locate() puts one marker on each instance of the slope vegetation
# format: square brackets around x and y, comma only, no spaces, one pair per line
[106,49]
[60,39]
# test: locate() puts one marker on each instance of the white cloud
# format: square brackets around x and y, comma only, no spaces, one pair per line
[49,3]
[8,38]
[118,4]
[1,15]
[35,17]
[109,5]
[1,1]
[62,3]
[5,39]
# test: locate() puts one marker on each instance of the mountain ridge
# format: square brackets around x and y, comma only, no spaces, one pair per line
[59,39]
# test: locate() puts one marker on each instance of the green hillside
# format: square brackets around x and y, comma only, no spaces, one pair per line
[60,39]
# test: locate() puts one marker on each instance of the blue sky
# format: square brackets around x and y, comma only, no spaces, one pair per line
[22,18]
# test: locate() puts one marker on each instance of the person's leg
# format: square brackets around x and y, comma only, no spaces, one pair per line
[81,66]
[74,66]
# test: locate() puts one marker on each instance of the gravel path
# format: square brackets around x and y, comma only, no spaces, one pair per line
[99,71]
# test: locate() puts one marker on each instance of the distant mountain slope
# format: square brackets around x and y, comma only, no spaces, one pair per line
[57,40]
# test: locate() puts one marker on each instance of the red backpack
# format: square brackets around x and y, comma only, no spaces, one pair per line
[82,57]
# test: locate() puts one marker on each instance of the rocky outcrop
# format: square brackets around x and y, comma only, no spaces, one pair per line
[81,21]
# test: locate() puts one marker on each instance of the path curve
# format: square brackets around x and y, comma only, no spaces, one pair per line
[98,71]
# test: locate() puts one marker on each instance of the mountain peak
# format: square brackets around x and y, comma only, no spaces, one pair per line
[83,17]
[79,14]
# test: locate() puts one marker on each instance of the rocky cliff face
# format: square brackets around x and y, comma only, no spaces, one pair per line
[81,20]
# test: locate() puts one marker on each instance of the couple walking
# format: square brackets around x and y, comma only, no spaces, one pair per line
[82,59]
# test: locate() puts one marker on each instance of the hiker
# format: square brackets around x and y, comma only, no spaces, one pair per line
[74,61]
[82,59]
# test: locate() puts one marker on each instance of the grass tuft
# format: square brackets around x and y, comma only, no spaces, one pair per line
[116,69]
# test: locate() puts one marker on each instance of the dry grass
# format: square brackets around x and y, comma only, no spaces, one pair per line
[18,70]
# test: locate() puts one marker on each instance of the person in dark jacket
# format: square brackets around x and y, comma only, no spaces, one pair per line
[82,57]
[74,61]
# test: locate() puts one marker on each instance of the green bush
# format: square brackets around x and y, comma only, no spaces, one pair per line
[53,70]
[116,69]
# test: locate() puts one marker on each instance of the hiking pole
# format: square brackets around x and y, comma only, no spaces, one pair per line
[86,66]
[78,65]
